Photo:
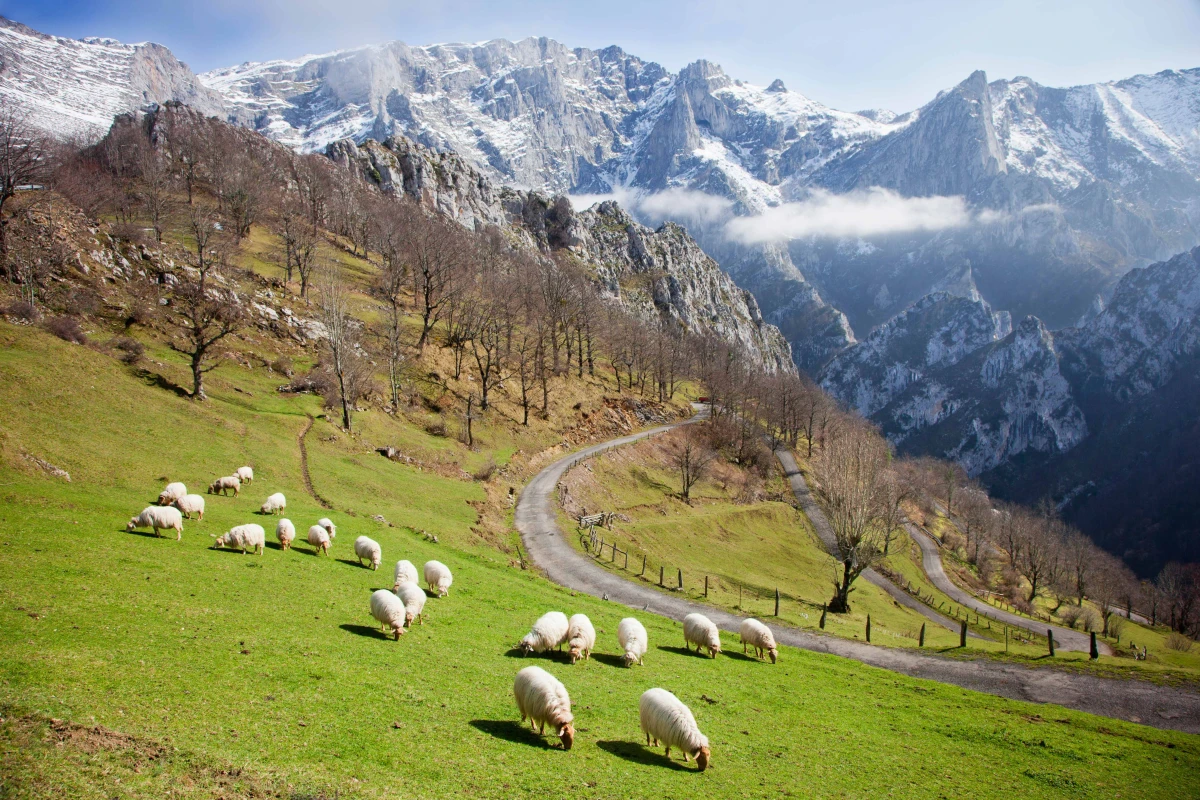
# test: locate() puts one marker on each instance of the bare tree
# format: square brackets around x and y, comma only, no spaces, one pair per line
[1039,552]
[893,493]
[976,517]
[23,159]
[434,249]
[850,470]
[203,312]
[692,457]
[154,187]
[342,337]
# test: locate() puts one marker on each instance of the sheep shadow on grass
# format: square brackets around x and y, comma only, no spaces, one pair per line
[609,659]
[550,655]
[511,731]
[639,754]
[354,563]
[743,656]
[683,651]
[365,630]
[147,534]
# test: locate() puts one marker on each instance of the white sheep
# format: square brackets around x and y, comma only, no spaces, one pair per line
[665,720]
[699,630]
[406,572]
[542,698]
[437,577]
[368,548]
[632,637]
[327,524]
[413,597]
[285,532]
[245,475]
[318,537]
[159,518]
[758,636]
[223,485]
[386,608]
[549,632]
[190,504]
[274,504]
[173,492]
[581,637]
[246,537]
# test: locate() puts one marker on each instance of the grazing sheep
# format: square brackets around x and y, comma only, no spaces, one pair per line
[548,632]
[318,537]
[406,572]
[699,630]
[581,637]
[413,597]
[245,475]
[667,721]
[368,548]
[159,518]
[247,537]
[437,577]
[173,492]
[274,504]
[223,485]
[190,504]
[542,698]
[285,532]
[386,608]
[758,636]
[327,524]
[632,637]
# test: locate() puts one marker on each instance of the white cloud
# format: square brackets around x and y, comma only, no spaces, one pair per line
[688,205]
[871,212]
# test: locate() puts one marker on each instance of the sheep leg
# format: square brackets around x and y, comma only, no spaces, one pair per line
[647,740]
[685,756]
[668,753]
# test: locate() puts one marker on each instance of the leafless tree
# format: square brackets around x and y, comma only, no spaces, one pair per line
[1178,587]
[691,456]
[203,311]
[976,517]
[23,159]
[850,470]
[434,250]
[342,338]
[893,493]
[154,187]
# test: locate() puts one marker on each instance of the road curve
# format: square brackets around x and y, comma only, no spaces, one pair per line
[931,560]
[1138,701]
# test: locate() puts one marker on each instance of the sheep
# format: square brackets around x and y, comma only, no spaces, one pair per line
[699,630]
[173,492]
[581,637]
[665,720]
[386,608]
[368,548]
[245,475]
[247,537]
[548,632]
[190,504]
[542,698]
[274,504]
[318,537]
[759,636]
[413,597]
[223,485]
[285,532]
[406,572]
[632,637]
[159,518]
[438,577]
[327,524]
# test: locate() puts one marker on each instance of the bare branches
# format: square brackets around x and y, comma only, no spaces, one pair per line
[23,159]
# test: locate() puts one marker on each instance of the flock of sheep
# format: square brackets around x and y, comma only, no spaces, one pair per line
[541,698]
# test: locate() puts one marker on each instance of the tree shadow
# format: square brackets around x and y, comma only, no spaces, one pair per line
[162,382]
[365,630]
[609,659]
[638,754]
[511,731]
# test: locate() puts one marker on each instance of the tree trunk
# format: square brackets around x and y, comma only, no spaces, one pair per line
[198,378]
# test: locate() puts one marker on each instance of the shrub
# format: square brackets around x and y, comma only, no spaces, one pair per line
[436,428]
[1178,642]
[1071,616]
[140,314]
[82,302]
[1116,624]
[283,365]
[129,351]
[486,471]
[26,312]
[67,329]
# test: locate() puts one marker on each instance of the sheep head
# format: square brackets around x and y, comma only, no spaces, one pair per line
[702,755]
[164,499]
[131,524]
[408,619]
[576,652]
[525,646]
[774,654]
[713,649]
[566,735]
[628,659]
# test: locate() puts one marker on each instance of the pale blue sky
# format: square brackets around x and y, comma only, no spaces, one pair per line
[849,55]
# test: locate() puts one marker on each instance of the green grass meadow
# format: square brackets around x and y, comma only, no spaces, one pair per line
[238,675]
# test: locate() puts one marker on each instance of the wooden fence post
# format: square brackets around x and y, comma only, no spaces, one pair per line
[660,574]
[614,553]
[680,578]
[962,634]
[921,636]
[643,572]
[626,560]
[868,628]
[706,586]
[777,604]
[824,608]
[1095,652]
[1050,640]
[1006,638]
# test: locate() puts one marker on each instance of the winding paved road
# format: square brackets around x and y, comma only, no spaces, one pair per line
[1138,701]
[931,560]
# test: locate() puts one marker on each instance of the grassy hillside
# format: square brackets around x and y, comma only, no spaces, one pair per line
[215,673]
